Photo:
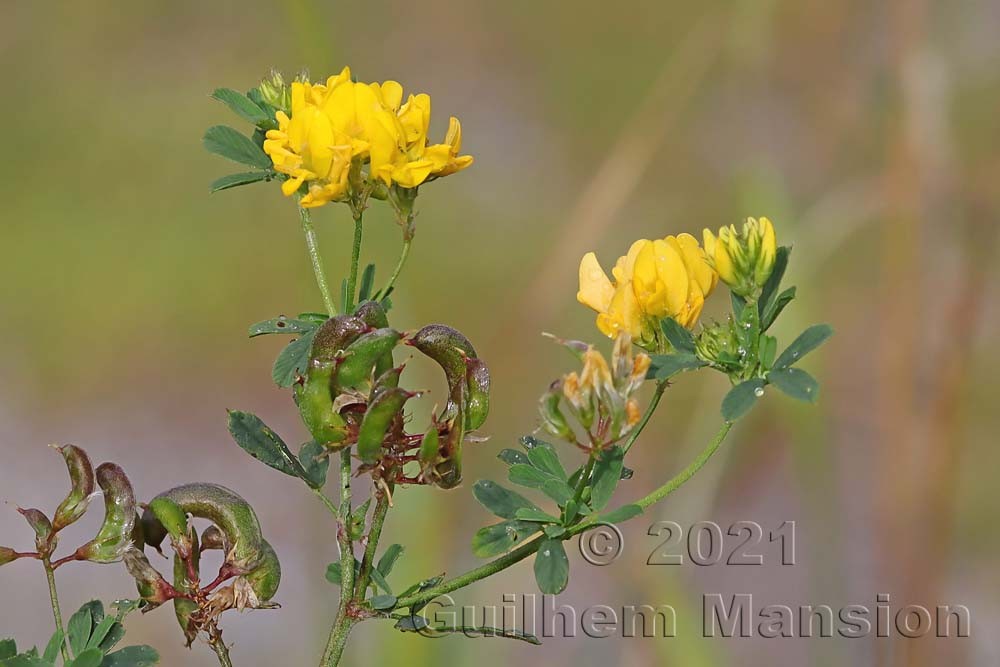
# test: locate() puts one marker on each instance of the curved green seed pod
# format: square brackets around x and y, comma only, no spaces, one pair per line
[184,609]
[448,470]
[478,404]
[81,476]
[115,535]
[429,450]
[382,410]
[265,578]
[373,314]
[334,335]
[315,401]
[450,349]
[231,513]
[389,378]
[360,357]
[174,520]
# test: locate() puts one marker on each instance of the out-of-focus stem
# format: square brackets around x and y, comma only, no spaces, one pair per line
[352,278]
[374,534]
[650,409]
[343,623]
[403,254]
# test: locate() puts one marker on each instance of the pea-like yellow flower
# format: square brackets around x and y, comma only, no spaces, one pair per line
[667,277]
[335,125]
[744,259]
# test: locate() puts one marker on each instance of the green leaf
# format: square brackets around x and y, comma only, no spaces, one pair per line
[81,623]
[534,514]
[775,307]
[333,571]
[807,341]
[553,530]
[607,474]
[314,460]
[241,105]
[501,501]
[8,648]
[665,366]
[546,460]
[260,442]
[29,659]
[380,583]
[551,567]
[52,649]
[773,282]
[389,558]
[411,623]
[91,657]
[419,624]
[367,281]
[231,144]
[620,514]
[679,337]
[236,180]
[500,537]
[533,478]
[293,360]
[280,325]
[796,383]
[100,632]
[768,348]
[132,656]
[422,586]
[530,442]
[741,398]
[115,634]
[383,602]
[512,456]
[357,527]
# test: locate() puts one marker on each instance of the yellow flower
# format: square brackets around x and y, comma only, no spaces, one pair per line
[744,259]
[661,278]
[334,125]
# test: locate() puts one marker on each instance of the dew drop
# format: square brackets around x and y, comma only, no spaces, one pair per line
[758,392]
[546,553]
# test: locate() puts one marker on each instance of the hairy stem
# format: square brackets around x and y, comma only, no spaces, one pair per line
[343,623]
[317,263]
[352,278]
[371,547]
[527,549]
[403,254]
[219,646]
[54,600]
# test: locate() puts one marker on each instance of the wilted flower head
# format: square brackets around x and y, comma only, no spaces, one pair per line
[334,126]
[661,278]
[744,258]
[599,397]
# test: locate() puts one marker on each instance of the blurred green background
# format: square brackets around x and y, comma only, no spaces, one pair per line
[867,131]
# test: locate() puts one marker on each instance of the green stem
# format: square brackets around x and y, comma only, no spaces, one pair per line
[352,279]
[220,648]
[317,263]
[374,534]
[650,409]
[50,575]
[581,484]
[343,623]
[403,254]
[527,549]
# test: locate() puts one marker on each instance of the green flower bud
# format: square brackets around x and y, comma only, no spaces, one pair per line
[45,537]
[744,259]
[276,92]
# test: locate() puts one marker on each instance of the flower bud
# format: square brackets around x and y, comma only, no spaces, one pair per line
[553,420]
[276,92]
[744,259]
[718,344]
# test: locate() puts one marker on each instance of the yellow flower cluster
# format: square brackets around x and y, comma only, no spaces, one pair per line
[667,277]
[341,123]
[743,258]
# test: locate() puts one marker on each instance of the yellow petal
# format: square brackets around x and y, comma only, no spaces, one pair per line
[596,291]
[671,270]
